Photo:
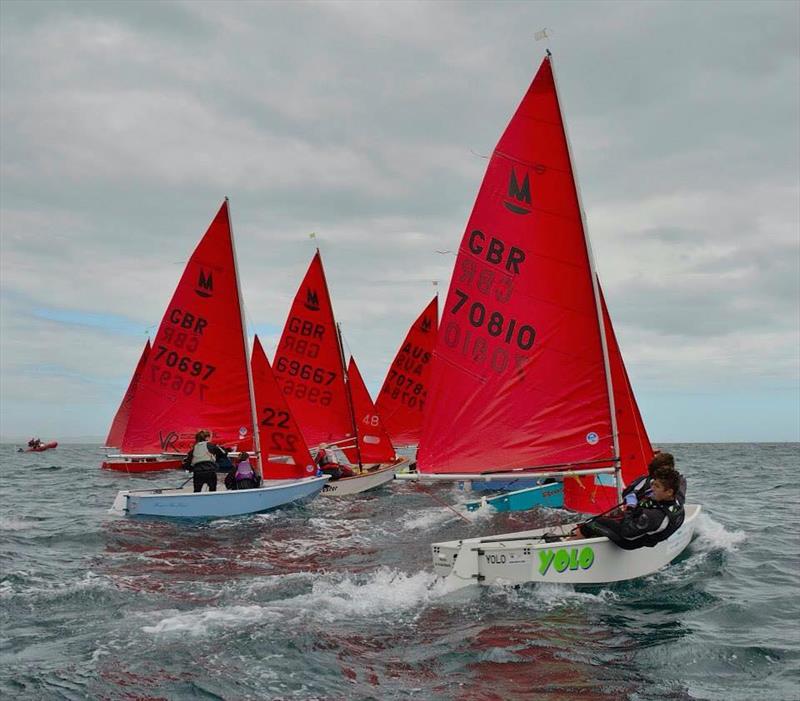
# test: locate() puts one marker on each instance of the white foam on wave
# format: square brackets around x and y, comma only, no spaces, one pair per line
[551,595]
[385,591]
[209,621]
[381,592]
[32,586]
[428,518]
[9,523]
[712,535]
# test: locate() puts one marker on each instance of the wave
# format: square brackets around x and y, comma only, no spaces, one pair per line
[330,599]
[712,535]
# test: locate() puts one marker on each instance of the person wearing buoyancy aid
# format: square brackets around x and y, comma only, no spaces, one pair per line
[641,487]
[244,476]
[326,463]
[201,462]
[653,520]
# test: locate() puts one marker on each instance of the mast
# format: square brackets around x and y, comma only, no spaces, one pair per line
[349,396]
[250,384]
[595,292]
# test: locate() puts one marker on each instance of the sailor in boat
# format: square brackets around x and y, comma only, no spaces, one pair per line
[652,520]
[224,463]
[244,476]
[201,461]
[34,443]
[642,486]
[329,466]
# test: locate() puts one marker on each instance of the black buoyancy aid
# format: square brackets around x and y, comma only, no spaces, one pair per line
[674,512]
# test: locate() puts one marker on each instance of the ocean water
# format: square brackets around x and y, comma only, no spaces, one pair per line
[337,599]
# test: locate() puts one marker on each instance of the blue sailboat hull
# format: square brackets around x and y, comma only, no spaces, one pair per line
[543,495]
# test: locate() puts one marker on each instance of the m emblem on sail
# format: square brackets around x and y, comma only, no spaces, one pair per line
[521,196]
[312,301]
[205,284]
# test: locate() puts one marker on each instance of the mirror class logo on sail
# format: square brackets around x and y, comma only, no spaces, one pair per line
[519,197]
[312,300]
[205,284]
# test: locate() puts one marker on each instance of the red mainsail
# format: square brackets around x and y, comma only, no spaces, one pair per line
[374,444]
[595,494]
[402,398]
[308,363]
[279,433]
[120,422]
[195,376]
[518,378]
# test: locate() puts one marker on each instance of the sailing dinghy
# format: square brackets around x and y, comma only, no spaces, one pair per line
[309,365]
[196,375]
[527,377]
[191,352]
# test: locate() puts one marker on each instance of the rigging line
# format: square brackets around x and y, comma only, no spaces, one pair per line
[441,501]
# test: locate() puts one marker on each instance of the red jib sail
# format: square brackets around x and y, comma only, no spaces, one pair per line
[120,422]
[595,494]
[195,376]
[518,378]
[277,429]
[308,363]
[401,401]
[374,444]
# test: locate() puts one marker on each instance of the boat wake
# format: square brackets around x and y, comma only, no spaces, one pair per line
[712,535]
[331,598]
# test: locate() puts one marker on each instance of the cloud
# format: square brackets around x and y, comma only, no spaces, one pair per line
[125,125]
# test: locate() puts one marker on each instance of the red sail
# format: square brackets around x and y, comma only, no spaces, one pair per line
[374,444]
[277,429]
[594,495]
[120,422]
[196,374]
[308,363]
[518,377]
[402,398]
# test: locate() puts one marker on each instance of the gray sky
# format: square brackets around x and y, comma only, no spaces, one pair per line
[124,125]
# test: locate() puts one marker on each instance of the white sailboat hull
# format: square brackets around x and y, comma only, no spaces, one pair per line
[361,483]
[183,503]
[522,557]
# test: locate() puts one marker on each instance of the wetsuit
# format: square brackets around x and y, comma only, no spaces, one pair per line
[645,526]
[201,462]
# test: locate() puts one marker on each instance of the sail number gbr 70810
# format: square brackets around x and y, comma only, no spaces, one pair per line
[511,332]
